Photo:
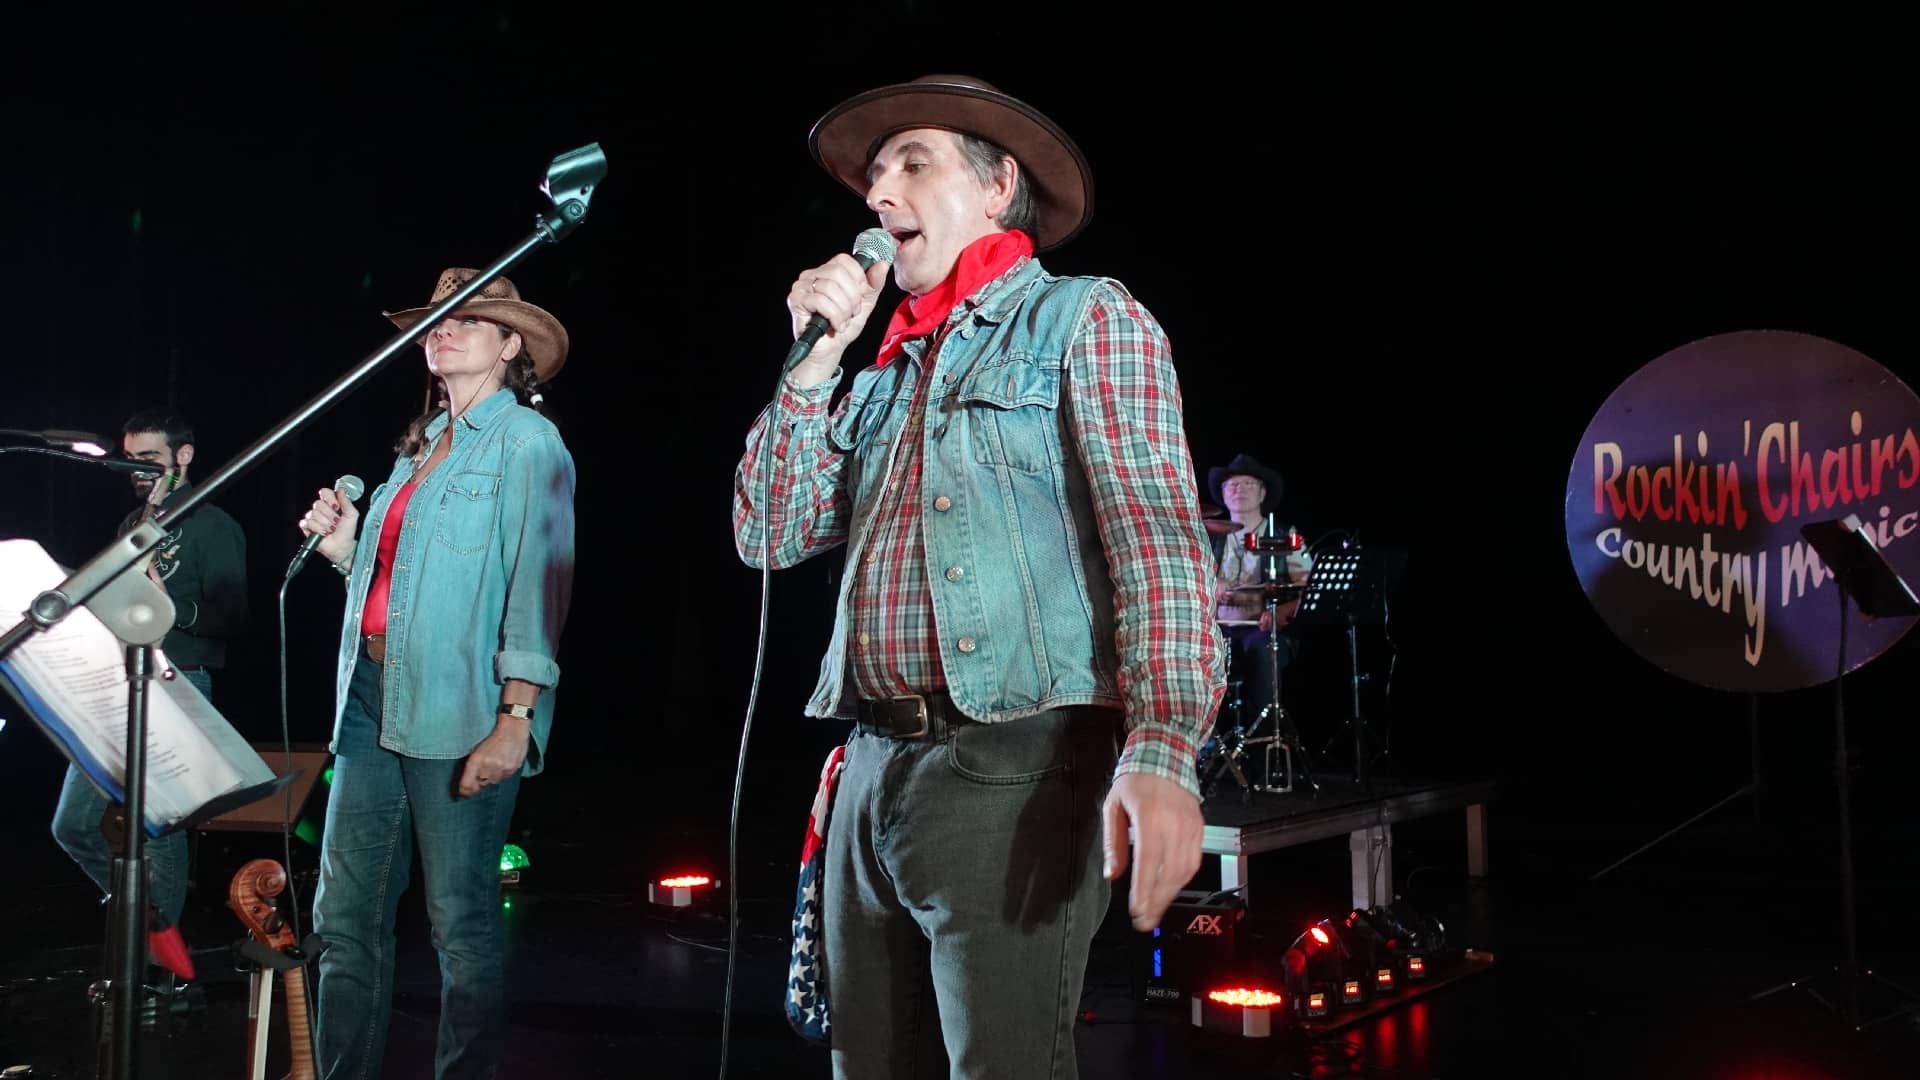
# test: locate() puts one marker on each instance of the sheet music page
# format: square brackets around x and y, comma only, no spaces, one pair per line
[75,676]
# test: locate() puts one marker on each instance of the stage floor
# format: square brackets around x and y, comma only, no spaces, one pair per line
[605,985]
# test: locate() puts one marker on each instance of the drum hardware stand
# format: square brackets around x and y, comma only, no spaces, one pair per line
[1230,749]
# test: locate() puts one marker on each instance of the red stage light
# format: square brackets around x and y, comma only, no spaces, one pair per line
[1320,936]
[1240,1011]
[1246,998]
[676,892]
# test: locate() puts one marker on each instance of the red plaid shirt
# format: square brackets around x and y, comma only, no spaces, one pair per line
[895,649]
[1125,415]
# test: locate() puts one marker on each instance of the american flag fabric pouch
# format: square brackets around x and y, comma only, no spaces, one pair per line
[807,1010]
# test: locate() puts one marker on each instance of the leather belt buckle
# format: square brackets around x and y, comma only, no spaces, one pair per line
[377,648]
[920,714]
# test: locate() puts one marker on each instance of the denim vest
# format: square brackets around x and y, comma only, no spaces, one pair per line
[481,581]
[1024,601]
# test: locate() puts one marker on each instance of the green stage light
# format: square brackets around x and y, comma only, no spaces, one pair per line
[512,857]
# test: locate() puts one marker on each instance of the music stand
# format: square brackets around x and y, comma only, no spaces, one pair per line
[1349,586]
[1863,575]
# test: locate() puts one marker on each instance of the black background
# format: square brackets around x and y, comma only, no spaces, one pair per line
[1405,264]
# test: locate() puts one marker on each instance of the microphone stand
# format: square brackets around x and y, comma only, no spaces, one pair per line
[125,465]
[114,587]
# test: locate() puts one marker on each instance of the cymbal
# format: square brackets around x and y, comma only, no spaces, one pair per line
[1222,526]
[1212,510]
[1253,595]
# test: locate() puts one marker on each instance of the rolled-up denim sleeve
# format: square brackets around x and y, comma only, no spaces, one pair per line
[536,526]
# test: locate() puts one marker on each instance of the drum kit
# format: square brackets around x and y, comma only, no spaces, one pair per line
[1270,733]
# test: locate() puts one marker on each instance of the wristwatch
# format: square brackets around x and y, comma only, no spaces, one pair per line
[523,712]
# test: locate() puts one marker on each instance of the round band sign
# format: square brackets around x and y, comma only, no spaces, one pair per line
[1689,489]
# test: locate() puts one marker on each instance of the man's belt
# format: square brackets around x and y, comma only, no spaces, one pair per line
[909,716]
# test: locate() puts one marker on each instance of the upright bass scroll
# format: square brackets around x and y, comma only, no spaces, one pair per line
[272,945]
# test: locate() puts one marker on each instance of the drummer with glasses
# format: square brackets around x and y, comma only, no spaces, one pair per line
[1249,492]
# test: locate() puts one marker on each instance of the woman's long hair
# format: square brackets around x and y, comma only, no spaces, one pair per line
[526,390]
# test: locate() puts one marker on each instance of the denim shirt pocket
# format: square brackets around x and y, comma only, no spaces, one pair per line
[843,434]
[1010,408]
[467,512]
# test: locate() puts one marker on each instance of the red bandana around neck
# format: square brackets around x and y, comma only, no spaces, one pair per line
[979,263]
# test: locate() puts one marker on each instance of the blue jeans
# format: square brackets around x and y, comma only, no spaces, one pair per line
[962,891]
[76,828]
[380,807]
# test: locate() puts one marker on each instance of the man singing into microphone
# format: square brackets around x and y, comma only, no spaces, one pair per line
[203,566]
[1022,636]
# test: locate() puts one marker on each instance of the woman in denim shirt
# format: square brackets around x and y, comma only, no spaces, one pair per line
[453,616]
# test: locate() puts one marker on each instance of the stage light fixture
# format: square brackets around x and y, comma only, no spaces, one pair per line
[680,890]
[1375,951]
[1319,969]
[1241,1011]
[513,859]
[1353,992]
[1395,943]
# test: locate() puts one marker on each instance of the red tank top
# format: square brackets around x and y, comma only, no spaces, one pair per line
[373,616]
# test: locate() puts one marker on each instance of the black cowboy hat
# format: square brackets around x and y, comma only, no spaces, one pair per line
[1243,465]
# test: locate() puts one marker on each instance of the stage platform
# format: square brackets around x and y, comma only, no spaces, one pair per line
[1238,829]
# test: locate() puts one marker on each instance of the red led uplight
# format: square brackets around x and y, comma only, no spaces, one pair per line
[1320,936]
[687,882]
[1252,999]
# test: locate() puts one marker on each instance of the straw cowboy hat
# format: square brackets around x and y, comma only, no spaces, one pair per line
[544,339]
[846,138]
[1242,465]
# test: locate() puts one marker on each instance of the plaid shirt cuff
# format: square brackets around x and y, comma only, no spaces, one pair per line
[1169,747]
[798,403]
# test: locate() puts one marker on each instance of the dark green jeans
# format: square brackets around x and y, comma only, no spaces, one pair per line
[961,895]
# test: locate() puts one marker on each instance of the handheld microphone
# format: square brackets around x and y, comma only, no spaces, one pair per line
[871,246]
[352,488]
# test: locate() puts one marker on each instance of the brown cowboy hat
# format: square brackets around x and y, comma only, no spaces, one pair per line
[1243,465]
[541,335]
[846,138]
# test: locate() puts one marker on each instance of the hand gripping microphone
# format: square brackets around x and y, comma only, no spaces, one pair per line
[871,246]
[352,488]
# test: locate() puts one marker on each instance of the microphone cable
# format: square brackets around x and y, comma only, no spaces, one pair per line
[286,815]
[746,727]
[871,246]
[353,488]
